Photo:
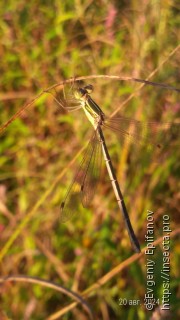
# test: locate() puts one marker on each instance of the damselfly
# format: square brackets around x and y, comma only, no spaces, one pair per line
[84,184]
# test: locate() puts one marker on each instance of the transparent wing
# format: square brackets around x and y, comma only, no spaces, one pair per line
[84,184]
[151,135]
[92,174]
[156,84]
[64,98]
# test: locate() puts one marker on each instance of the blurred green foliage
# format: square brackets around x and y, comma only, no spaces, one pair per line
[45,42]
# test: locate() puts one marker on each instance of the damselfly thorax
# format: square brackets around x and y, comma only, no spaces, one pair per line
[91,109]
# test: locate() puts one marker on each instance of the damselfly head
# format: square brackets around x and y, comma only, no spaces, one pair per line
[80,92]
[89,88]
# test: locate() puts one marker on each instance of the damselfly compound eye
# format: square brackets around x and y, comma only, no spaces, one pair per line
[89,88]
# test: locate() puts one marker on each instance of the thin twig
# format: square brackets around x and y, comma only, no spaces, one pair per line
[51,285]
[61,84]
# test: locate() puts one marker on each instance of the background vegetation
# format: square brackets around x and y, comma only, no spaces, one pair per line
[45,42]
